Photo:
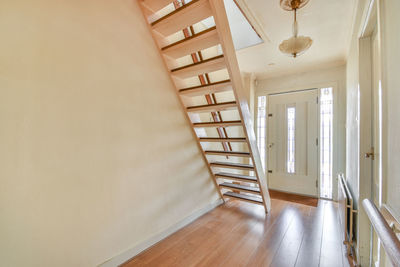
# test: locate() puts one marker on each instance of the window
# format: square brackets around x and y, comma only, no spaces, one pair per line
[261,120]
[291,132]
[326,126]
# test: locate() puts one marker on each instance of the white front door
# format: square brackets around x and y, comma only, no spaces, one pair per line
[292,142]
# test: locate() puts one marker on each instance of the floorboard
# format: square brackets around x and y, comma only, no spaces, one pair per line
[241,234]
[309,251]
[306,200]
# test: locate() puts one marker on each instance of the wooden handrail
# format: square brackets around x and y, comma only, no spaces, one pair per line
[388,238]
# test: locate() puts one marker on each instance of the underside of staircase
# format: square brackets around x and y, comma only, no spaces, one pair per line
[195,42]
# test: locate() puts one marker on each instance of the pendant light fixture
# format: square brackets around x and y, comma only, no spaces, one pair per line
[295,45]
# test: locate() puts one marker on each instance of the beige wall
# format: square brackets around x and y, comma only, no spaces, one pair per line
[335,77]
[96,155]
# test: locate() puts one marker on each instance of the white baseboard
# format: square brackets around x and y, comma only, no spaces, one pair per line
[130,253]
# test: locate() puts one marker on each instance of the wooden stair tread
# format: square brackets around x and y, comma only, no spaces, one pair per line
[201,67]
[156,5]
[227,153]
[217,124]
[232,165]
[192,44]
[183,17]
[240,187]
[207,88]
[253,199]
[218,139]
[213,107]
[226,175]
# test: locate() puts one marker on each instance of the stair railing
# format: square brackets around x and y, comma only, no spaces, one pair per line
[386,234]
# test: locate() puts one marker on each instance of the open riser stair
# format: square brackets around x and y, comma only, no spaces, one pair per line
[195,42]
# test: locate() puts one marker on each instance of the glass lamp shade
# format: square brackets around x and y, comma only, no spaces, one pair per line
[296,45]
[290,5]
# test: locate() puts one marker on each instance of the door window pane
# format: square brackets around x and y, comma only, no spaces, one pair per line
[291,133]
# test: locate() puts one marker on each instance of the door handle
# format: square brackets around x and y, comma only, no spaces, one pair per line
[270,145]
[370,154]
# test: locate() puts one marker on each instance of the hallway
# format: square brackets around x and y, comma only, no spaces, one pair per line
[240,234]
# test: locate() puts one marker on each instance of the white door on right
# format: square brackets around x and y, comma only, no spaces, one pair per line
[293,142]
[376,150]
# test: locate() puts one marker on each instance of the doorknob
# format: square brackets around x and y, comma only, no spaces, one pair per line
[370,154]
[270,145]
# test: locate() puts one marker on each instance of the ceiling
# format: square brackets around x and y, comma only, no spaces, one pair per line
[327,22]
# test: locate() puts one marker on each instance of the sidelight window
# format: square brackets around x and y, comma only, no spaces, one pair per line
[291,136]
[326,126]
[261,127]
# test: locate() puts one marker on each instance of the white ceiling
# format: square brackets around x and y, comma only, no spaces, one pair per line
[327,22]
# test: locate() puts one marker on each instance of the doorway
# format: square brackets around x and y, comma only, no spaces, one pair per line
[371,179]
[322,183]
[292,142]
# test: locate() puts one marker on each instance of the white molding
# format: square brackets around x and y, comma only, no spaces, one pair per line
[366,18]
[132,252]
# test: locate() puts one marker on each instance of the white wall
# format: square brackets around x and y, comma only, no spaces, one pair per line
[335,77]
[390,24]
[352,118]
[391,93]
[96,155]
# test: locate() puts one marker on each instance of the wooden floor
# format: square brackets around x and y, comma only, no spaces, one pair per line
[241,234]
[311,201]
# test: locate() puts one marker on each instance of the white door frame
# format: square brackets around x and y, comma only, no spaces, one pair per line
[335,132]
[370,20]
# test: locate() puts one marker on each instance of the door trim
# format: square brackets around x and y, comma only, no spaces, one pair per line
[336,134]
[293,91]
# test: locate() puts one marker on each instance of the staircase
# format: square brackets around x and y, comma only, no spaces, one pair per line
[195,42]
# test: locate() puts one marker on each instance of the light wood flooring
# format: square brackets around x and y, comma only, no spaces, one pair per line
[241,234]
